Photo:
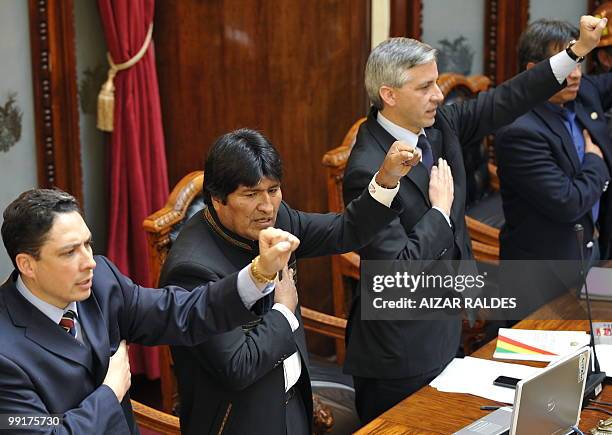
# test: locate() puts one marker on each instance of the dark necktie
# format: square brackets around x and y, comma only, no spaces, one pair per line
[67,322]
[425,147]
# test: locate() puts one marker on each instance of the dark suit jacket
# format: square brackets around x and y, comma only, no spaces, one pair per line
[234,383]
[545,188]
[43,370]
[398,349]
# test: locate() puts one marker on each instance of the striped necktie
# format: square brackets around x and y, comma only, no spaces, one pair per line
[68,322]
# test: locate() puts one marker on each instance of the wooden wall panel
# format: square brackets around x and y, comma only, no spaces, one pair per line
[55,96]
[406,18]
[290,68]
[505,20]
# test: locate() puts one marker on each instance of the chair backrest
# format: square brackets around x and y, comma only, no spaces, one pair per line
[335,162]
[477,154]
[163,225]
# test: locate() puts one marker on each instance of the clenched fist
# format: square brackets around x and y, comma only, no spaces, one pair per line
[275,248]
[400,159]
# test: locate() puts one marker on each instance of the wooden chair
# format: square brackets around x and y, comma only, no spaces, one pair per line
[161,229]
[479,161]
[484,238]
[345,267]
[156,420]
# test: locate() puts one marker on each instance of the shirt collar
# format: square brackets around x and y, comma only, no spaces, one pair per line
[51,311]
[567,111]
[399,133]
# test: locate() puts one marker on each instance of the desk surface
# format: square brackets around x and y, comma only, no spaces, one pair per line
[429,411]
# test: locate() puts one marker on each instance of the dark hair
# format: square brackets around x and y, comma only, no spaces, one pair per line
[541,37]
[28,219]
[596,66]
[240,157]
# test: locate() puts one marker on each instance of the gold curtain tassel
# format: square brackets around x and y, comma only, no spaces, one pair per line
[106,97]
[106,103]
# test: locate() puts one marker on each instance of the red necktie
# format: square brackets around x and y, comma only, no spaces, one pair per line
[67,322]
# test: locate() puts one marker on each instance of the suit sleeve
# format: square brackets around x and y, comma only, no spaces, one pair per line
[173,315]
[100,410]
[336,233]
[427,240]
[528,165]
[490,110]
[240,357]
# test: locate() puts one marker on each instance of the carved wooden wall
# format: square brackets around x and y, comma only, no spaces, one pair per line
[406,18]
[505,20]
[55,95]
[292,69]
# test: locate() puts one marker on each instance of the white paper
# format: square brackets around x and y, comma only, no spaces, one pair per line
[604,356]
[476,375]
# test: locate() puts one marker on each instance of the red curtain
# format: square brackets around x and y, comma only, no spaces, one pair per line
[137,164]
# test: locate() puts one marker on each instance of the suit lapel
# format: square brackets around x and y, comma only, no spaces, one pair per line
[42,331]
[96,333]
[418,175]
[598,131]
[555,124]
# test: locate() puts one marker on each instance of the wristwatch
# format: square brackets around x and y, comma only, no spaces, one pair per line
[571,54]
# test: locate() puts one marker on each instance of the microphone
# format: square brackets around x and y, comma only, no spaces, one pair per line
[596,377]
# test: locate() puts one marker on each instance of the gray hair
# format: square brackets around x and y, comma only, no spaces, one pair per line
[389,62]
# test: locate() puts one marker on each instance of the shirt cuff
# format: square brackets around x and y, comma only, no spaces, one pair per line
[293,321]
[248,290]
[562,65]
[381,194]
[444,214]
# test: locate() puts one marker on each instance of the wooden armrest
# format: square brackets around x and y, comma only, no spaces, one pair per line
[156,420]
[349,264]
[326,324]
[482,232]
[485,253]
[493,178]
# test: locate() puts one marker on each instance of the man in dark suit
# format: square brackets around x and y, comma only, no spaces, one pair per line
[601,57]
[554,166]
[255,379]
[64,325]
[389,360]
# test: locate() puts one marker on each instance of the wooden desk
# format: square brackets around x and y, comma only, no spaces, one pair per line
[430,411]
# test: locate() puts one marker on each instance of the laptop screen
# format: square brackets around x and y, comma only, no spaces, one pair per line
[550,401]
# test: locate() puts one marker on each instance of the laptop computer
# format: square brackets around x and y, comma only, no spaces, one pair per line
[547,403]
